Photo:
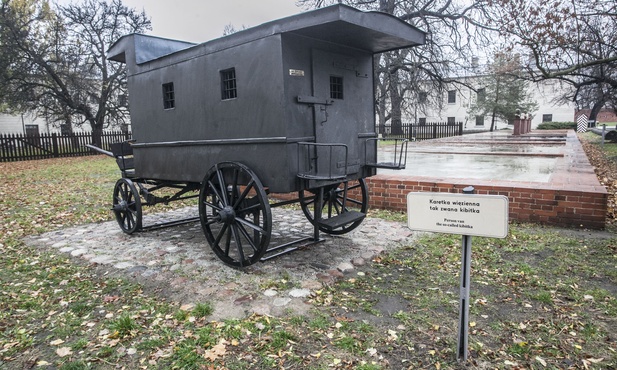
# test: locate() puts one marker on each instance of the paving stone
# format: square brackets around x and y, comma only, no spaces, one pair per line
[299,293]
[345,267]
[103,260]
[278,302]
[311,284]
[78,252]
[123,265]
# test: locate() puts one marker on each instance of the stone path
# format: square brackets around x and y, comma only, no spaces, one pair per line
[178,262]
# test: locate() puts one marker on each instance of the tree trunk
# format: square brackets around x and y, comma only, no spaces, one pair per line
[97,132]
[493,121]
[595,109]
[495,105]
[396,113]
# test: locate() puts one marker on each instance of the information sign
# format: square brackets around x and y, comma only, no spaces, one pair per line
[463,214]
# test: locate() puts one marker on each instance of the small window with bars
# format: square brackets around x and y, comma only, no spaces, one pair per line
[422,97]
[481,94]
[336,87]
[228,84]
[169,99]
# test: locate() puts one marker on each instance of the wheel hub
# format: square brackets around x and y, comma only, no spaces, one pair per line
[121,206]
[227,214]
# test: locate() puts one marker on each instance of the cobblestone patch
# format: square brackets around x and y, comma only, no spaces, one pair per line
[177,261]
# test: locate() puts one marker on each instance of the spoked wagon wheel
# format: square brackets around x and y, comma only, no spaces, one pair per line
[354,199]
[127,206]
[235,214]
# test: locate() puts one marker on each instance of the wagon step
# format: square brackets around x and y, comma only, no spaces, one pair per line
[341,220]
[388,165]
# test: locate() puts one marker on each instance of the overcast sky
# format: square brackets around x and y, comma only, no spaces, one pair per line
[202,20]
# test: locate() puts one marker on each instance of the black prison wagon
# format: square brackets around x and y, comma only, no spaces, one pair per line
[284,107]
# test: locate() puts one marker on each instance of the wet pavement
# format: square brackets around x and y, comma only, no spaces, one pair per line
[543,159]
[485,156]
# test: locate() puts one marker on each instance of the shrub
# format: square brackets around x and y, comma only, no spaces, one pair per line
[557,126]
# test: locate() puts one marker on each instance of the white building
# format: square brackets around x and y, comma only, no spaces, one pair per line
[29,124]
[457,100]
[24,124]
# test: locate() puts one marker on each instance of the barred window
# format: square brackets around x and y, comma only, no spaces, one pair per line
[422,97]
[169,100]
[336,87]
[228,84]
[481,94]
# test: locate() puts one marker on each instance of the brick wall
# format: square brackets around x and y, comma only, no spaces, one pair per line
[544,206]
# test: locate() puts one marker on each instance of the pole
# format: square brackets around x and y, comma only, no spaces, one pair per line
[463,327]
[603,133]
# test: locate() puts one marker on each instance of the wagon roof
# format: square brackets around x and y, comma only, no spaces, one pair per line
[374,32]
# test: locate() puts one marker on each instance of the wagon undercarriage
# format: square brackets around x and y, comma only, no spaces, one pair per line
[235,212]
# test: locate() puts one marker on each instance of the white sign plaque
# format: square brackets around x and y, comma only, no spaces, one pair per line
[464,214]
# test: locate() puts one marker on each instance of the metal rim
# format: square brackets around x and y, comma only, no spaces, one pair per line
[127,206]
[235,214]
[356,200]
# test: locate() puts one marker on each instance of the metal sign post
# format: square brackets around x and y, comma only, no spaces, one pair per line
[463,325]
[466,214]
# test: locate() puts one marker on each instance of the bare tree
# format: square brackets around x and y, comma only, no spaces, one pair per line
[60,69]
[570,40]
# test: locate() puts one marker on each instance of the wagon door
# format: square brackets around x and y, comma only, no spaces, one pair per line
[343,103]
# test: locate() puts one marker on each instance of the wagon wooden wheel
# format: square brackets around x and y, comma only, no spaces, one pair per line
[235,214]
[127,206]
[338,199]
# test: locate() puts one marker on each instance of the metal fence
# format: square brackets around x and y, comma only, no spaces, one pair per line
[21,147]
[414,131]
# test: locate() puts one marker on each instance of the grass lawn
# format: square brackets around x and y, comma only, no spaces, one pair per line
[542,298]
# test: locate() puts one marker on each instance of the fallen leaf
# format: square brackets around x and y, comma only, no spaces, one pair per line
[216,351]
[595,360]
[187,307]
[64,351]
[541,360]
[56,342]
